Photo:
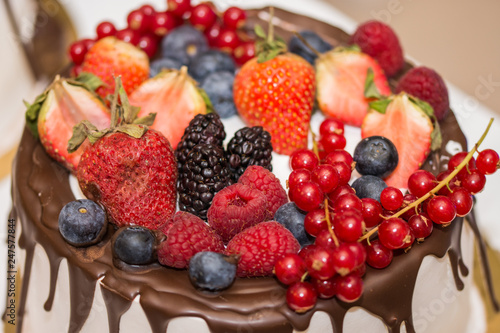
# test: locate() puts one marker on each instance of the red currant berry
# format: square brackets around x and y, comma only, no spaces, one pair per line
[456,159]
[394,233]
[462,199]
[149,44]
[488,161]
[315,221]
[298,176]
[344,260]
[212,33]
[301,297]
[303,159]
[105,29]
[333,141]
[202,16]
[421,182]
[319,263]
[179,7]
[234,18]
[75,70]
[344,172]
[244,52]
[148,10]
[348,288]
[304,252]
[372,210]
[162,23]
[331,125]
[348,201]
[228,40]
[326,176]
[421,226]
[290,268]
[474,181]
[338,192]
[89,42]
[77,52]
[360,270]
[409,199]
[137,20]
[391,198]
[325,239]
[377,255]
[349,226]
[325,288]
[452,183]
[307,196]
[338,155]
[358,251]
[128,35]
[441,209]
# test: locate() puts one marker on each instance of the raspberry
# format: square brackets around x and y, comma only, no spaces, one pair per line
[236,208]
[187,236]
[380,42]
[260,247]
[427,85]
[264,180]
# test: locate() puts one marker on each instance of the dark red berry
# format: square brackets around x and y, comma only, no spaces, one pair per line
[307,195]
[331,125]
[456,159]
[377,255]
[348,288]
[333,141]
[441,209]
[474,181]
[77,52]
[343,259]
[212,33]
[391,198]
[137,20]
[408,199]
[319,263]
[372,210]
[290,268]
[451,184]
[298,176]
[338,192]
[179,7]
[325,288]
[162,23]
[488,161]
[105,29]
[244,52]
[202,16]
[315,221]
[421,182]
[303,159]
[421,226]
[344,172]
[228,40]
[394,233]
[326,176]
[462,199]
[128,35]
[301,296]
[349,226]
[338,155]
[348,201]
[234,18]
[149,44]
[325,239]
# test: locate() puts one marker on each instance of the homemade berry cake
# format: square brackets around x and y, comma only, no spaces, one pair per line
[64,288]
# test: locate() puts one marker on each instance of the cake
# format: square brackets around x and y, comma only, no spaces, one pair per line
[63,288]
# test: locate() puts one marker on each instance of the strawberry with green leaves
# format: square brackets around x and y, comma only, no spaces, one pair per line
[276,90]
[128,168]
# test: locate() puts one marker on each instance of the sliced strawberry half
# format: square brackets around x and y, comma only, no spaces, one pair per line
[340,80]
[407,125]
[55,112]
[175,99]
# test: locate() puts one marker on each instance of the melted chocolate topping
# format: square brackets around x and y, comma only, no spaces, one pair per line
[41,188]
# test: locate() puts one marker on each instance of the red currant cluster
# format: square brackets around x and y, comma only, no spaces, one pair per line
[146,27]
[335,264]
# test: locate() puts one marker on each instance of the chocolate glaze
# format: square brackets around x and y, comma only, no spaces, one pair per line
[41,189]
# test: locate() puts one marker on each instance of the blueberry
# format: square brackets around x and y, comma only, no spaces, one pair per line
[219,88]
[158,65]
[212,271]
[134,245]
[82,222]
[292,218]
[295,45]
[209,62]
[376,156]
[184,43]
[369,187]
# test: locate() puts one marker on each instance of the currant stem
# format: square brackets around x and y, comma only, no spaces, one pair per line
[329,223]
[441,184]
[304,276]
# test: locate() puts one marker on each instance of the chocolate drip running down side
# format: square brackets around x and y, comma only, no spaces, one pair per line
[41,188]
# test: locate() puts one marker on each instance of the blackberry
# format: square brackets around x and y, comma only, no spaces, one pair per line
[205,173]
[203,128]
[249,146]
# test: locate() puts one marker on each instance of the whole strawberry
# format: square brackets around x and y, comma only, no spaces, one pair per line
[276,90]
[129,169]
[260,246]
[109,58]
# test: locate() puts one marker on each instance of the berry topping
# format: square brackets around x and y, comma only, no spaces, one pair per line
[184,43]
[293,218]
[290,268]
[212,271]
[488,161]
[219,88]
[376,155]
[301,297]
[234,18]
[295,45]
[369,187]
[82,222]
[377,255]
[134,245]
[254,244]
[210,62]
[394,233]
[202,16]
[161,64]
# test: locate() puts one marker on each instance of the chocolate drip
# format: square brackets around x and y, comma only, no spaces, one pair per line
[41,189]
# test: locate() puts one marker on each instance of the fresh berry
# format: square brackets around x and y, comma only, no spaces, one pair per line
[391,198]
[307,195]
[179,7]
[349,226]
[369,187]
[54,114]
[82,222]
[340,80]
[262,179]
[184,43]
[324,288]
[474,181]
[253,246]
[236,208]
[331,125]
[134,245]
[441,210]
[451,184]
[313,39]
[244,52]
[319,263]
[344,172]
[326,176]
[421,226]
[379,41]
[163,23]
[293,218]
[372,209]
[219,88]
[457,159]
[427,85]
[325,239]
[421,182]
[332,141]
[261,88]
[344,259]
[348,288]
[212,271]
[303,159]
[187,236]
[249,146]
[110,58]
[105,29]
[298,176]
[139,21]
[77,51]
[205,172]
[128,35]
[394,233]
[409,128]
[161,64]
[488,161]
[301,297]
[234,18]
[228,40]
[290,268]
[171,95]
[202,16]
[210,62]
[376,155]
[340,191]
[315,221]
[338,155]
[377,255]
[149,44]
[462,199]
